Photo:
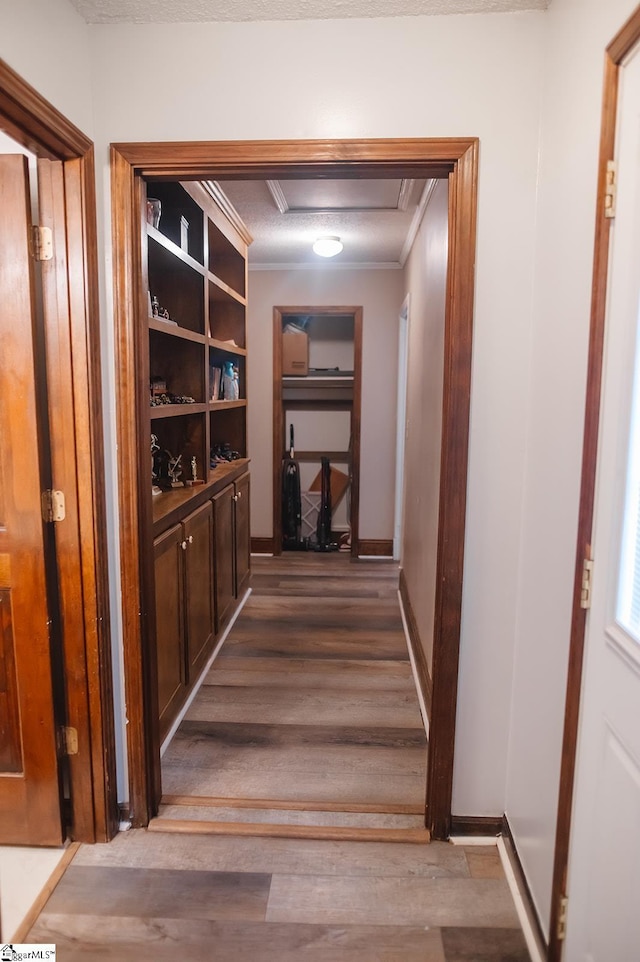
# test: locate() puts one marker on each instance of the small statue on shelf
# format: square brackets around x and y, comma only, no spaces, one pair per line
[230,382]
[195,480]
[155,447]
[175,471]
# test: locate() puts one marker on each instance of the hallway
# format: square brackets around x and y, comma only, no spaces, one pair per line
[309,714]
[307,728]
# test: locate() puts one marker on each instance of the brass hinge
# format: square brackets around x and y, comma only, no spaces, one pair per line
[562,918]
[53,506]
[585,590]
[610,190]
[68,740]
[41,243]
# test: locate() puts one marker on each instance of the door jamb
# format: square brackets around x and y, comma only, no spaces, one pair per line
[279,440]
[455,158]
[617,50]
[77,431]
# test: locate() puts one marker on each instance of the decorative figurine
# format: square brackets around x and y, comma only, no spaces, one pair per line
[230,384]
[175,471]
[194,474]
[155,447]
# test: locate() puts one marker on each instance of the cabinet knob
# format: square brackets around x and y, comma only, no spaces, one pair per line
[235,497]
[183,545]
[239,495]
[190,539]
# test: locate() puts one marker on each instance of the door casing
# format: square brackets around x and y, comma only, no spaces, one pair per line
[75,427]
[455,158]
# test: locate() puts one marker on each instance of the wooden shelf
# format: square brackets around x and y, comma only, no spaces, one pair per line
[227,405]
[174,330]
[225,289]
[176,251]
[170,506]
[225,346]
[158,411]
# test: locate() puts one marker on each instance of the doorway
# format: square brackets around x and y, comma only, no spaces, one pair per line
[323,411]
[456,159]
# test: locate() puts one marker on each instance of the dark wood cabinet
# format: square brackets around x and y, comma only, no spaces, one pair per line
[223,511]
[196,291]
[242,534]
[169,625]
[198,588]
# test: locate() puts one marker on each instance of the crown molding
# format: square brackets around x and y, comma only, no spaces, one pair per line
[277,193]
[214,189]
[423,203]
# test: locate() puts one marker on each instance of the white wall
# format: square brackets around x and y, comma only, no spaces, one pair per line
[380,294]
[577,32]
[425,281]
[46,42]
[414,77]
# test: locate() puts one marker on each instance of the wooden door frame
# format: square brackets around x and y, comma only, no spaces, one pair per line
[455,158]
[75,424]
[279,440]
[621,45]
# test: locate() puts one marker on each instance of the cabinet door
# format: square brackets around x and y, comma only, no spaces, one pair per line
[223,505]
[242,534]
[198,588]
[169,625]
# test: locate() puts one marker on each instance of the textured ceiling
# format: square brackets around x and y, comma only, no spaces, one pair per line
[376,220]
[186,11]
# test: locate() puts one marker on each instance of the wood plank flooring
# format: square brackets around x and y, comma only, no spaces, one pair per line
[309,713]
[149,897]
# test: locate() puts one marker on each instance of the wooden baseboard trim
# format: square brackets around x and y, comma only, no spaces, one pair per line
[417,836]
[21,933]
[275,804]
[375,549]
[475,825]
[424,675]
[523,885]
[262,546]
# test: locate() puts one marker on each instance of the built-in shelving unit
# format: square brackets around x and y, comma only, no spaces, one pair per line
[196,283]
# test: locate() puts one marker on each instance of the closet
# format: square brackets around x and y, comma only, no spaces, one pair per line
[317,392]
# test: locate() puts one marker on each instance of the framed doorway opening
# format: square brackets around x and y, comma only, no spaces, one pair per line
[455,159]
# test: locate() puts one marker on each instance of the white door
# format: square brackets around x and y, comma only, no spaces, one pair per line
[603,919]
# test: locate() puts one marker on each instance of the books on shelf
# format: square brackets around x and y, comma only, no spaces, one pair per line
[215,375]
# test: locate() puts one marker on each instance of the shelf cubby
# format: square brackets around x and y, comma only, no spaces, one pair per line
[176,204]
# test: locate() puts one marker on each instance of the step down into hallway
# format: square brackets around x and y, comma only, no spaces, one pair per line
[307,724]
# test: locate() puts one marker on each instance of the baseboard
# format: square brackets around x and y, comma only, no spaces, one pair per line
[262,546]
[476,825]
[380,549]
[422,668]
[510,852]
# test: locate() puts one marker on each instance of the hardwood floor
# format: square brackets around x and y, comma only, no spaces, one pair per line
[149,897]
[309,714]
[308,723]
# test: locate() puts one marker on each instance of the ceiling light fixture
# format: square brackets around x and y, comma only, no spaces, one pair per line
[327,246]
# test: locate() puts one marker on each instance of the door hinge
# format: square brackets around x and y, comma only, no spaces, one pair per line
[53,506]
[41,243]
[585,590]
[561,931]
[610,190]
[68,740]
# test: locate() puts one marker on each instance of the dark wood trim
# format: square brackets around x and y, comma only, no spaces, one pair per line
[463,185]
[35,123]
[424,675]
[522,884]
[279,440]
[476,826]
[414,836]
[617,50]
[371,548]
[262,545]
[356,422]
[456,158]
[73,342]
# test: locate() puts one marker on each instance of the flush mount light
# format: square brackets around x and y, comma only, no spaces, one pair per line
[327,246]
